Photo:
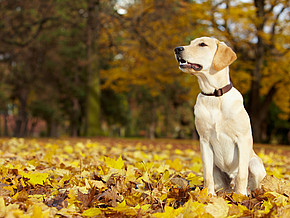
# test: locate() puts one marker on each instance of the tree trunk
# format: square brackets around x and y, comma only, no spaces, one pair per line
[5,123]
[92,118]
[258,108]
[255,98]
[152,127]
[52,128]
[73,130]
[1,125]
[32,128]
[22,119]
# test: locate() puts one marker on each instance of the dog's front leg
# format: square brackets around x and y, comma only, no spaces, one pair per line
[241,181]
[207,164]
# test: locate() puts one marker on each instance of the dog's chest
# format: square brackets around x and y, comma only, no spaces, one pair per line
[213,123]
[210,116]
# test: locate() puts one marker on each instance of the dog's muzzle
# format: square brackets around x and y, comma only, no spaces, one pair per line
[183,64]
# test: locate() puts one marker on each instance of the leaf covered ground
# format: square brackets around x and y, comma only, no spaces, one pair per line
[127,178]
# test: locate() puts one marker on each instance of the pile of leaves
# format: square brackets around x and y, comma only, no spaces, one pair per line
[127,178]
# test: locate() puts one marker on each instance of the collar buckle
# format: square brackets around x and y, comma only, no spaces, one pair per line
[218,92]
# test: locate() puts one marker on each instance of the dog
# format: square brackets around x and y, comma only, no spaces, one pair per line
[226,144]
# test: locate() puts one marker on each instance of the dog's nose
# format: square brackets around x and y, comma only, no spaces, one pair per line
[178,50]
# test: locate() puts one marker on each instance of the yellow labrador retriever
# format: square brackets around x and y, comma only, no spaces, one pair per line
[221,119]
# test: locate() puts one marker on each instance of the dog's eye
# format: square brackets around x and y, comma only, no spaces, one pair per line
[202,44]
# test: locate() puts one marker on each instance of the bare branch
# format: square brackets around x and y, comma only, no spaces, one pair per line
[274,25]
[34,36]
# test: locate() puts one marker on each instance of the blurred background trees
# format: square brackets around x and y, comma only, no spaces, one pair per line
[96,67]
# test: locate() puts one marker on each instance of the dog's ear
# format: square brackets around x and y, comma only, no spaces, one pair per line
[223,57]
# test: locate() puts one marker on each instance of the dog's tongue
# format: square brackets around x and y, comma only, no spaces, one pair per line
[196,67]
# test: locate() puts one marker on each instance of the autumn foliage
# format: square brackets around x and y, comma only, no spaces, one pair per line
[127,178]
[107,67]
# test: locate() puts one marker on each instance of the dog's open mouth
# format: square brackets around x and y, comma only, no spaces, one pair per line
[185,64]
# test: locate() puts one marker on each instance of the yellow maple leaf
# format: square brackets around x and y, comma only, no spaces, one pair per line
[194,180]
[267,205]
[145,177]
[218,208]
[176,164]
[130,173]
[92,212]
[37,212]
[239,197]
[35,178]
[162,168]
[165,177]
[278,199]
[242,208]
[124,208]
[169,212]
[277,172]
[144,166]
[142,208]
[72,198]
[196,167]
[203,197]
[10,188]
[116,164]
[99,184]
[193,209]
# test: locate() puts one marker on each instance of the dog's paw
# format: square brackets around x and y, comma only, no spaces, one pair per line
[211,191]
[243,192]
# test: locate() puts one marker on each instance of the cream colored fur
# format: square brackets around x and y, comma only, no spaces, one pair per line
[223,124]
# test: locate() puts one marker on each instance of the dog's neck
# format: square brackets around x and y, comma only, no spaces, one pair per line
[209,83]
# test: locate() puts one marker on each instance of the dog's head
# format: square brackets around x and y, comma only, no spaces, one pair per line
[204,55]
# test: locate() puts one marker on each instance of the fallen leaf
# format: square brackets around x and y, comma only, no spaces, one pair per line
[92,212]
[123,178]
[271,183]
[194,180]
[116,164]
[180,182]
[218,208]
[35,178]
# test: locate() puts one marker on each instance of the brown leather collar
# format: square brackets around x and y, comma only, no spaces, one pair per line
[219,92]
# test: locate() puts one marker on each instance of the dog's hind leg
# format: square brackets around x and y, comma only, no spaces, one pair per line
[256,173]
[221,180]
